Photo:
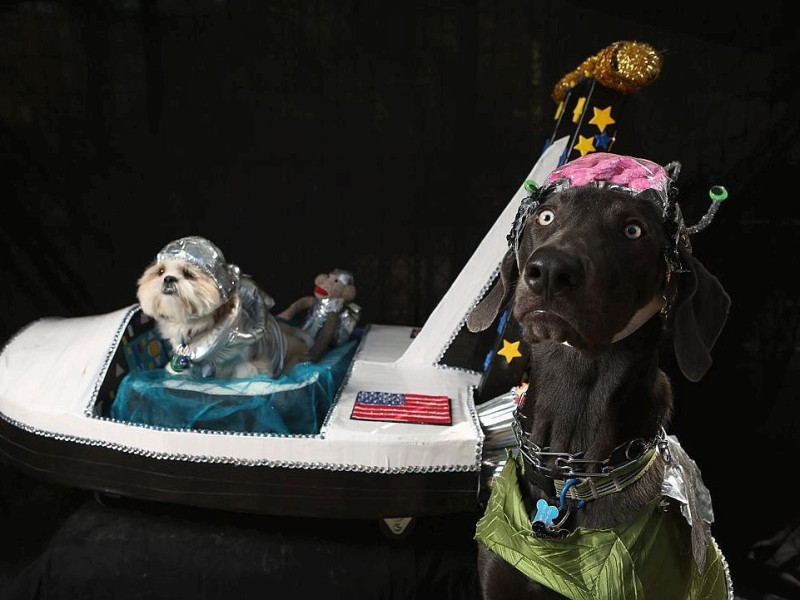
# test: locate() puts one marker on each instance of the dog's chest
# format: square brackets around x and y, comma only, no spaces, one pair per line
[183,334]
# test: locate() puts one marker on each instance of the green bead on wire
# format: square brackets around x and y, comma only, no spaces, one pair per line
[531,187]
[718,193]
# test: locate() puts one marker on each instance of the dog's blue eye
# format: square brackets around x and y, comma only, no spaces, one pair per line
[633,231]
[545,217]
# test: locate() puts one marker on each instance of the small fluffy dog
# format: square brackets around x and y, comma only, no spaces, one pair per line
[215,320]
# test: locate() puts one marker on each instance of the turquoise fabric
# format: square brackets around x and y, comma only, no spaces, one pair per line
[292,404]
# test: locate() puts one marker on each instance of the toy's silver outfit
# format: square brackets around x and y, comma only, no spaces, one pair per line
[247,331]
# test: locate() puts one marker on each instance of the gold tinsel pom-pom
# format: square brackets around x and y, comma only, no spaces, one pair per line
[622,66]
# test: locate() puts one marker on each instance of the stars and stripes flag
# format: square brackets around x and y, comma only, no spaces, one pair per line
[402,408]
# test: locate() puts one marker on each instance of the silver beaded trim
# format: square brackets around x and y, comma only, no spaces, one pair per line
[110,351]
[726,569]
[463,320]
[476,425]
[313,465]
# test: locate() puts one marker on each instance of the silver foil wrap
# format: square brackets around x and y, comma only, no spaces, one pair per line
[319,312]
[344,277]
[496,416]
[348,319]
[201,252]
[682,482]
[248,330]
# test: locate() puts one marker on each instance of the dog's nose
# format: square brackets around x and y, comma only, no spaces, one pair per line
[169,286]
[550,272]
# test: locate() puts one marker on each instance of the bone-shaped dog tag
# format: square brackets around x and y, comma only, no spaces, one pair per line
[545,513]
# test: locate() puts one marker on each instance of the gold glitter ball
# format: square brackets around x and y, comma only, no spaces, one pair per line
[623,66]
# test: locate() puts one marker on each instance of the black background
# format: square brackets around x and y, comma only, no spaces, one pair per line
[385,138]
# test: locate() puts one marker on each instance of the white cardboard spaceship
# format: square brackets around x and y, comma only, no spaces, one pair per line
[58,377]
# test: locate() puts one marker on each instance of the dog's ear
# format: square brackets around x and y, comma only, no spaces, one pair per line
[484,314]
[701,311]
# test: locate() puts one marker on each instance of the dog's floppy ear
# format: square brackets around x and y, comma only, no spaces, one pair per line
[484,314]
[701,310]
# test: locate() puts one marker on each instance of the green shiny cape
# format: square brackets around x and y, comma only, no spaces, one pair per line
[649,557]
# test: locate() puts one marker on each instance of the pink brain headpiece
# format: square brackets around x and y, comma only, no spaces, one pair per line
[636,176]
[624,172]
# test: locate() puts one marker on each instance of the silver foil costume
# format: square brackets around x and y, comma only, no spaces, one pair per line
[248,330]
[318,314]
[348,320]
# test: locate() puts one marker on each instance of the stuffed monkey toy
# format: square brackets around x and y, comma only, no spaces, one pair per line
[330,314]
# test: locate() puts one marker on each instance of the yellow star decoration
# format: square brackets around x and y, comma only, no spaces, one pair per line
[602,118]
[578,110]
[510,350]
[585,145]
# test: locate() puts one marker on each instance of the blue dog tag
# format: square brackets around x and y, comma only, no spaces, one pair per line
[545,513]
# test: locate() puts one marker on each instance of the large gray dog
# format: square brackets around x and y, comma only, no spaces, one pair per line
[598,501]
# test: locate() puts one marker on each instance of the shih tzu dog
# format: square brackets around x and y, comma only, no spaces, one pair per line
[216,320]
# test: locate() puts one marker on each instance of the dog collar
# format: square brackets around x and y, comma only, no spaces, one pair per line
[578,478]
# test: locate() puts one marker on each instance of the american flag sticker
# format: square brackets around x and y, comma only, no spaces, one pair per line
[402,408]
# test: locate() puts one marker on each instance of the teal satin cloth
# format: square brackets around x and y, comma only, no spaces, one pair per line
[292,404]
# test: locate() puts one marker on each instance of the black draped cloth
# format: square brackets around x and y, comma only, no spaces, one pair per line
[384,138]
[104,548]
